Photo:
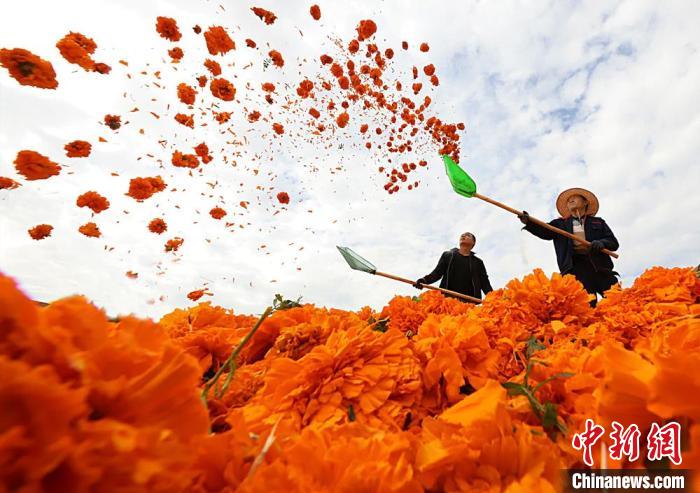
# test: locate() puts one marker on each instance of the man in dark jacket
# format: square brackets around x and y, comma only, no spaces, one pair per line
[460,270]
[592,268]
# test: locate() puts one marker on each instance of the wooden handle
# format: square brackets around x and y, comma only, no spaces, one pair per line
[543,224]
[442,290]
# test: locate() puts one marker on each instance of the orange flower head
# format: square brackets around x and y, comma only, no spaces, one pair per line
[342,119]
[218,41]
[424,47]
[366,29]
[217,213]
[222,89]
[78,148]
[315,12]
[7,183]
[40,231]
[213,67]
[186,120]
[174,244]
[113,121]
[283,198]
[90,230]
[186,93]
[276,58]
[167,28]
[278,128]
[144,188]
[253,116]
[264,15]
[250,43]
[181,160]
[157,226]
[28,69]
[77,48]
[93,201]
[34,166]
[176,54]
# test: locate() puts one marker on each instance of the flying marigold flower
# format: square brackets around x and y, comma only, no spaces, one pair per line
[342,119]
[78,148]
[197,294]
[354,46]
[314,112]
[131,274]
[181,160]
[264,15]
[222,117]
[40,231]
[94,201]
[76,48]
[144,188]
[34,166]
[186,93]
[278,128]
[424,47]
[222,89]
[217,213]
[253,116]
[167,28]
[250,43]
[28,69]
[315,12]
[202,150]
[305,88]
[276,57]
[283,198]
[113,121]
[366,29]
[268,87]
[213,67]
[218,41]
[176,54]
[173,244]
[7,183]
[157,226]
[90,229]
[186,120]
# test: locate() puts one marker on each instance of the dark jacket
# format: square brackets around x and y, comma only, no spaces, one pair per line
[480,279]
[595,229]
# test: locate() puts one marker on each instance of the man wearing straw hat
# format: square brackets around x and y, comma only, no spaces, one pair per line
[460,270]
[593,269]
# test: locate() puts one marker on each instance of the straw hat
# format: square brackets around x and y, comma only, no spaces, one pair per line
[592,200]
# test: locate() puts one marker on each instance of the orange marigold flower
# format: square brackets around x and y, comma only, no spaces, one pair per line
[283,197]
[305,88]
[186,93]
[157,226]
[276,57]
[34,166]
[264,15]
[342,119]
[167,28]
[76,48]
[354,46]
[222,89]
[186,120]
[314,112]
[196,295]
[250,43]
[278,128]
[315,12]
[94,201]
[429,70]
[78,148]
[144,188]
[113,121]
[90,229]
[7,183]
[173,244]
[176,54]
[218,41]
[424,47]
[202,150]
[253,116]
[217,213]
[40,231]
[268,87]
[213,67]
[131,274]
[222,117]
[366,29]
[181,160]
[28,69]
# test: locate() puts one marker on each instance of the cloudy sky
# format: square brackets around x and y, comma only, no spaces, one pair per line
[602,95]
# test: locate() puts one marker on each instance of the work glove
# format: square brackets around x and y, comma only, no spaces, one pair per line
[597,245]
[418,284]
[524,217]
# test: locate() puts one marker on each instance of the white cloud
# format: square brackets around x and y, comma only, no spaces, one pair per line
[554,95]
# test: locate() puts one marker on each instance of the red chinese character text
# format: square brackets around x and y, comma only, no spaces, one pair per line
[664,441]
[587,439]
[625,441]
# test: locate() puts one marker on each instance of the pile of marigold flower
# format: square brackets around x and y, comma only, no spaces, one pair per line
[421,396]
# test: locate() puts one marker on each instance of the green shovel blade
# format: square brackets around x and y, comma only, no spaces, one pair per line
[461,182]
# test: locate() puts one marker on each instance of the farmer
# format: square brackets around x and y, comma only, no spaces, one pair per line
[589,265]
[460,270]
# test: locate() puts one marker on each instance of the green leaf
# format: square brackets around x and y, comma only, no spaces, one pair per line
[553,377]
[279,303]
[549,417]
[351,413]
[533,345]
[381,325]
[514,388]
